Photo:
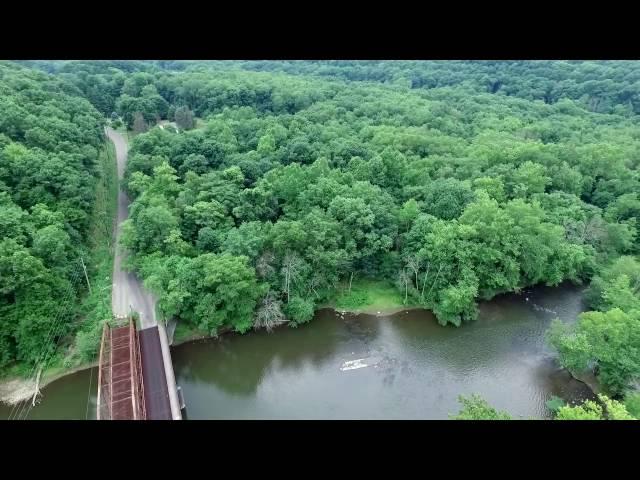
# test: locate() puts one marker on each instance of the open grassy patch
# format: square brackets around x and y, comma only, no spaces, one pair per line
[369,295]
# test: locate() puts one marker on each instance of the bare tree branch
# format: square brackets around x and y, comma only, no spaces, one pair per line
[269,315]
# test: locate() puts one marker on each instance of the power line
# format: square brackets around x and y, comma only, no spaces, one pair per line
[42,363]
[51,335]
[45,344]
[28,406]
[56,325]
[47,354]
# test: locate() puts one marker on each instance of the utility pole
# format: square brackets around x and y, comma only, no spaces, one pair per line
[85,274]
[36,390]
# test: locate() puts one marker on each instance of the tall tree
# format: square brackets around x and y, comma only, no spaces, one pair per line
[184,118]
[139,123]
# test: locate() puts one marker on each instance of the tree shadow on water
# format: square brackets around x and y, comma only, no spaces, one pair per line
[238,364]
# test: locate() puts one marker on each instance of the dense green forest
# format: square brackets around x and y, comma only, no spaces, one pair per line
[604,86]
[598,86]
[455,181]
[50,137]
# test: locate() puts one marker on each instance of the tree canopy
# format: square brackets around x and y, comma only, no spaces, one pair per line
[475,407]
[454,194]
[455,181]
[49,141]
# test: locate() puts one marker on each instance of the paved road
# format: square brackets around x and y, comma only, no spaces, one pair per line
[156,393]
[128,291]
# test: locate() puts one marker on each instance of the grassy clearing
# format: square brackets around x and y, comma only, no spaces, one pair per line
[369,295]
[129,135]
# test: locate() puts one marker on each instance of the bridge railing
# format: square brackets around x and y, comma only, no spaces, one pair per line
[104,376]
[137,383]
[105,391]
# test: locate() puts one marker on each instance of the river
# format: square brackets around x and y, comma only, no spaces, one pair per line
[403,366]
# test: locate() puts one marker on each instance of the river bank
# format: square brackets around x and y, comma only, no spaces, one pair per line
[14,390]
[187,335]
[589,379]
[402,366]
[298,372]
[184,334]
[352,366]
[365,296]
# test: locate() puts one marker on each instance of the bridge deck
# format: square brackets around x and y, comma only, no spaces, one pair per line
[121,385]
[156,393]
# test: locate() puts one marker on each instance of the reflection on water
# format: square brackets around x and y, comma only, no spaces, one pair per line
[401,366]
[360,366]
[64,399]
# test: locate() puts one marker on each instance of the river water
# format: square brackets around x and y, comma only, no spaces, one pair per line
[402,366]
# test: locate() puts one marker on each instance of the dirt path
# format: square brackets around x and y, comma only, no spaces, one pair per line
[128,291]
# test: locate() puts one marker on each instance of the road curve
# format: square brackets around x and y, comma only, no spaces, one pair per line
[128,293]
